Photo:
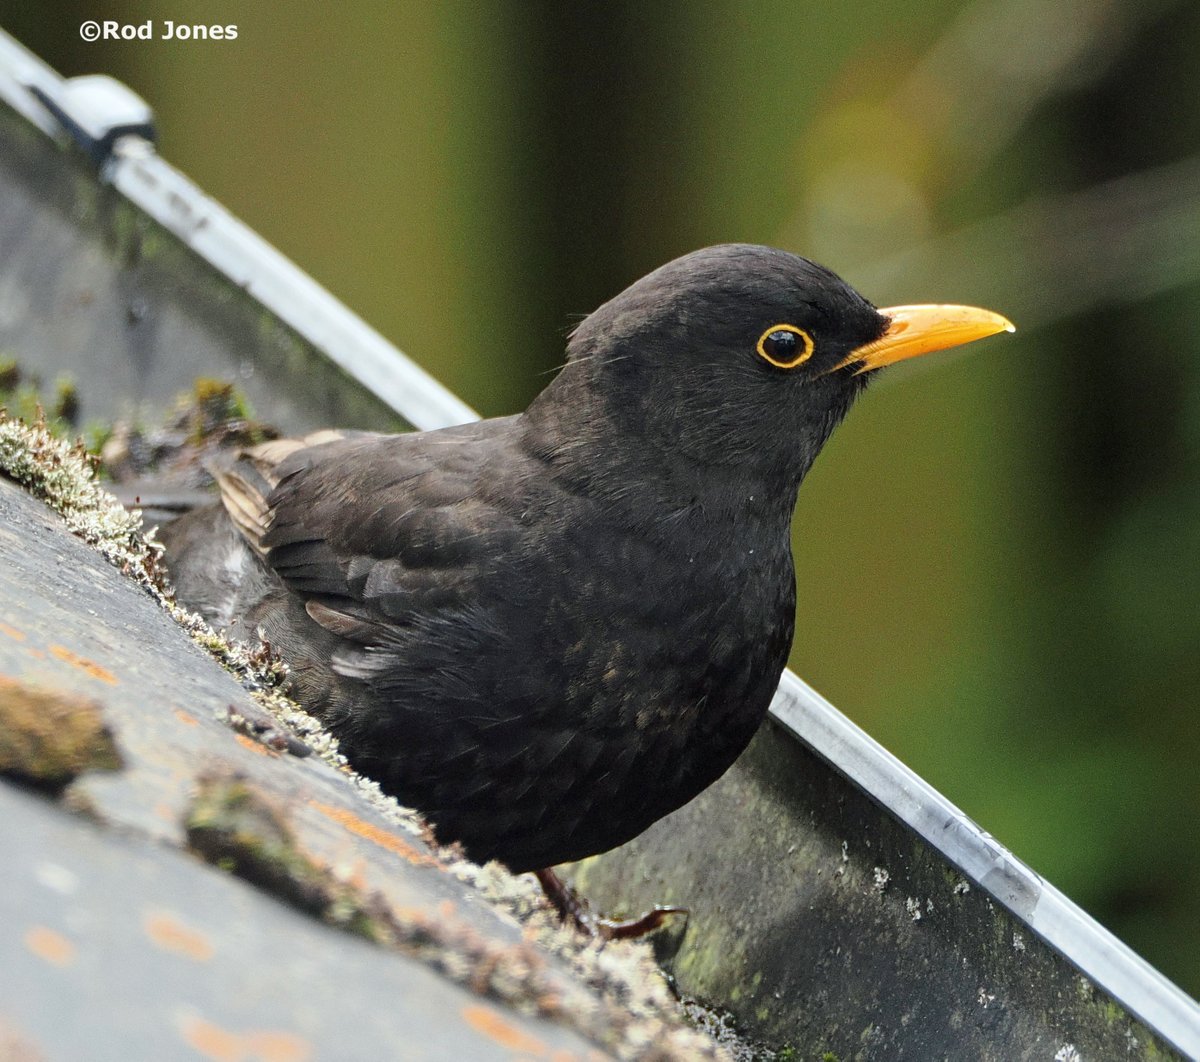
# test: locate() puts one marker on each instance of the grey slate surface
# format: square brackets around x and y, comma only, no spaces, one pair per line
[116,948]
[83,971]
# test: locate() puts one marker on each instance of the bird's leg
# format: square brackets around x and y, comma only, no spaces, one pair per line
[566,901]
[572,908]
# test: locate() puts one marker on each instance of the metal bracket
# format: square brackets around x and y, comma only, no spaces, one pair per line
[96,111]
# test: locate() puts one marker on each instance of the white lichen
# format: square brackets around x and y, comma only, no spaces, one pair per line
[61,475]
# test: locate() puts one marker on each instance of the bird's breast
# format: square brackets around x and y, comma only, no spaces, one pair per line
[676,631]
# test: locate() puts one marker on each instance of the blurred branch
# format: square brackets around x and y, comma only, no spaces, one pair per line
[977,86]
[874,169]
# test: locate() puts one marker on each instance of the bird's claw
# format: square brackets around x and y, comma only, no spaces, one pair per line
[574,910]
[632,928]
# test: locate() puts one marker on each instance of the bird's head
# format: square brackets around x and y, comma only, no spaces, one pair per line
[741,356]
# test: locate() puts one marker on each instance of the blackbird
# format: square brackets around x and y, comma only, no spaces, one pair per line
[546,631]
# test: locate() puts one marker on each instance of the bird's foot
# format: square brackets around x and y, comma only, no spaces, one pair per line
[573,909]
[632,928]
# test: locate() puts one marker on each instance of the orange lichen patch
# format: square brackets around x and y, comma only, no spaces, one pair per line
[185,718]
[376,834]
[168,933]
[212,1041]
[254,746]
[492,1024]
[89,667]
[50,946]
[15,1046]
[411,916]
[278,1047]
[12,632]
[221,1045]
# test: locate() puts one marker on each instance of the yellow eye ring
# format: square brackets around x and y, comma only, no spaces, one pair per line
[785,346]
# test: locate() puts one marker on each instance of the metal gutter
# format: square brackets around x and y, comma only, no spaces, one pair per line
[287,291]
[133,168]
[854,754]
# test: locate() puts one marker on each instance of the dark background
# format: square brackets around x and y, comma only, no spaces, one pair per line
[998,557]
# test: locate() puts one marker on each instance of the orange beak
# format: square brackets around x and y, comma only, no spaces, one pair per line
[917,330]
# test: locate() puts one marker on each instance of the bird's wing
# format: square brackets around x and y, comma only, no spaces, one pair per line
[373,531]
[247,478]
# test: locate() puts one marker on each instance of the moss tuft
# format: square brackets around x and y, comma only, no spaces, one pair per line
[24,396]
[217,409]
[48,738]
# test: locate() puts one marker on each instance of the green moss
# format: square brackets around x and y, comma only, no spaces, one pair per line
[48,738]
[216,406]
[233,826]
[24,396]
[10,377]
[952,878]
[66,401]
[95,435]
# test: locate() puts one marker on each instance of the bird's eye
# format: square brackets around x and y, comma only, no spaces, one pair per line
[785,346]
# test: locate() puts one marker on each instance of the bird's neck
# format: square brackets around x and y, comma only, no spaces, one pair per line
[605,428]
[647,484]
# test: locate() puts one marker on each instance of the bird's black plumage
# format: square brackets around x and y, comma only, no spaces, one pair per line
[546,631]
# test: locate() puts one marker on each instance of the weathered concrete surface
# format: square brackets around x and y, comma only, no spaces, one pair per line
[824,923]
[113,947]
[116,943]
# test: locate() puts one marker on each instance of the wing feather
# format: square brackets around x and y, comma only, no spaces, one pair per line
[372,530]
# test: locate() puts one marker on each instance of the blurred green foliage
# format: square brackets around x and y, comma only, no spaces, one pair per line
[999,556]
